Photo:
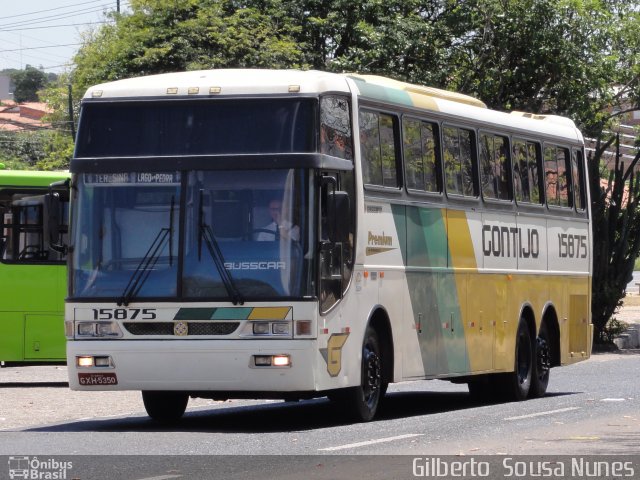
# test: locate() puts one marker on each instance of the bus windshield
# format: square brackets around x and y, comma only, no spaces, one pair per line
[246,235]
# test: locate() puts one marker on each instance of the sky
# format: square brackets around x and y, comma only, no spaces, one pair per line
[47,33]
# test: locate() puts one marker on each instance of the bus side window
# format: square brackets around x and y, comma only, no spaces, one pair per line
[378,148]
[526,171]
[551,175]
[564,180]
[421,157]
[495,171]
[459,161]
[557,167]
[577,175]
[335,127]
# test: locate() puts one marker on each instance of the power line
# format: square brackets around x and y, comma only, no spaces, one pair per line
[52,9]
[60,16]
[53,26]
[38,48]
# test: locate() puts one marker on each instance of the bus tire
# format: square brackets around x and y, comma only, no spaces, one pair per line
[542,364]
[516,385]
[361,403]
[165,407]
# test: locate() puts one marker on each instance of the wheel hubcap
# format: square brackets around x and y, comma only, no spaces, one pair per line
[524,359]
[372,378]
[544,357]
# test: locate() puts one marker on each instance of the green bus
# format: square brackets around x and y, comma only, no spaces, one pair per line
[32,267]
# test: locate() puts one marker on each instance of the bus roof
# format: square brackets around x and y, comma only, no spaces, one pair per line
[210,83]
[30,178]
[221,82]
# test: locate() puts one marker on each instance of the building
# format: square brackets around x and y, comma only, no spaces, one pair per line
[22,117]
[6,91]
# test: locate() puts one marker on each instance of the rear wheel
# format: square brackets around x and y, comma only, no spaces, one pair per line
[542,365]
[361,402]
[165,406]
[516,385]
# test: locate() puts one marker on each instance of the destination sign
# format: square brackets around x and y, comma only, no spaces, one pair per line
[135,178]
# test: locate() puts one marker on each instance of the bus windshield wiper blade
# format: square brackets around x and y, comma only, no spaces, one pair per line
[149,260]
[210,241]
[145,266]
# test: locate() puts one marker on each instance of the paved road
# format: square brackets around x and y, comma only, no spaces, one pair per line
[590,407]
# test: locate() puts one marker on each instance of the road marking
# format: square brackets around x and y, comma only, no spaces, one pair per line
[613,400]
[540,414]
[161,477]
[371,442]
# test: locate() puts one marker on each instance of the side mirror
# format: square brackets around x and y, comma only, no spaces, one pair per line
[52,205]
[338,216]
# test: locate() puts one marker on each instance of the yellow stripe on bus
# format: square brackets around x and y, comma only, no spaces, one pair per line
[269,313]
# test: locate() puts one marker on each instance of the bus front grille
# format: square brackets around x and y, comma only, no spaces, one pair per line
[169,328]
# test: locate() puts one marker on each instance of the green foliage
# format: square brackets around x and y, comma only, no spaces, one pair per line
[164,36]
[612,329]
[27,84]
[35,150]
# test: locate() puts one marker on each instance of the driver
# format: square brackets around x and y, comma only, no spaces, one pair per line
[279,227]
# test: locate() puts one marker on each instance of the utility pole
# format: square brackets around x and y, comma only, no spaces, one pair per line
[70,104]
[118,6]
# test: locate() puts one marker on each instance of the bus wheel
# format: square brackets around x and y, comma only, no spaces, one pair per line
[165,406]
[542,365]
[361,402]
[516,385]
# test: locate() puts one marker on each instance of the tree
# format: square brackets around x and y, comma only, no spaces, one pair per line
[164,36]
[27,84]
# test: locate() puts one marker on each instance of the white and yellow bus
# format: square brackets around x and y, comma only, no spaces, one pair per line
[296,234]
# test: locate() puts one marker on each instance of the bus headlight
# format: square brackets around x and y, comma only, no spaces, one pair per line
[268,329]
[98,330]
[281,328]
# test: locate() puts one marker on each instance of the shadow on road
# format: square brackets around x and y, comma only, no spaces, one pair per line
[34,385]
[278,416]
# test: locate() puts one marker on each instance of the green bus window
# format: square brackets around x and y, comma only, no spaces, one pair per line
[420,155]
[24,238]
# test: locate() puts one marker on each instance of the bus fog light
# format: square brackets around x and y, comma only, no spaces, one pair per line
[261,328]
[303,327]
[281,328]
[84,361]
[281,361]
[102,361]
[262,360]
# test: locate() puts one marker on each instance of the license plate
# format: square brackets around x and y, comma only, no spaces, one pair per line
[97,379]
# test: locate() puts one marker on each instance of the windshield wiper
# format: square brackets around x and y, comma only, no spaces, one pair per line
[210,241]
[149,260]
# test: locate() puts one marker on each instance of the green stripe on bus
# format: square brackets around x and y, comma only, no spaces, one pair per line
[377,92]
